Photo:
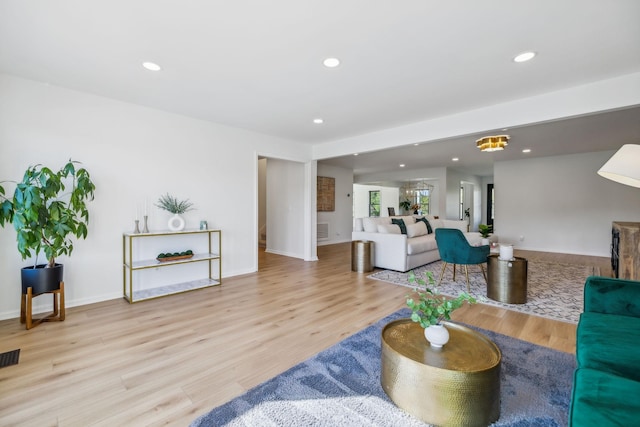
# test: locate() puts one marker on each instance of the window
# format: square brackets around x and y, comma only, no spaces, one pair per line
[423,201]
[374,203]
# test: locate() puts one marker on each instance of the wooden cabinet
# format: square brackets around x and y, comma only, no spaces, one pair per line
[625,250]
[145,277]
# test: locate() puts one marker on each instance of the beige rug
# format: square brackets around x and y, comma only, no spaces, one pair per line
[554,291]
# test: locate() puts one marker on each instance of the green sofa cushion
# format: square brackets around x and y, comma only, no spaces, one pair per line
[612,296]
[602,399]
[609,343]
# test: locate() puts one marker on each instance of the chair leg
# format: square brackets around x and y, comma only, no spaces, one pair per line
[484,274]
[466,273]
[444,266]
[454,272]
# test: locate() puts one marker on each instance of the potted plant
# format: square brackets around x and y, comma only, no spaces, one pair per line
[485,231]
[176,207]
[431,308]
[405,205]
[46,215]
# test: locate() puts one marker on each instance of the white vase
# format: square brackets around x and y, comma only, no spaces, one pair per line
[485,241]
[437,335]
[176,223]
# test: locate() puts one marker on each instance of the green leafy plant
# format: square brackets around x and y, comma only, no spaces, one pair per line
[485,230]
[173,205]
[430,307]
[405,204]
[43,214]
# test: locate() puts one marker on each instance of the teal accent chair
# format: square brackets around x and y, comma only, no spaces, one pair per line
[606,383]
[455,249]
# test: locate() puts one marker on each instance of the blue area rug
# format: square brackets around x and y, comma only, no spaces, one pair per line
[341,387]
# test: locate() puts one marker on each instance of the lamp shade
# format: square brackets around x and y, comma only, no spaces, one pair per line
[623,166]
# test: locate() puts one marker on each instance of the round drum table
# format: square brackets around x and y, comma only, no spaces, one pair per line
[457,385]
[507,279]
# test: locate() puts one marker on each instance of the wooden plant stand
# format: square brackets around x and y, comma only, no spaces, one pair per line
[26,307]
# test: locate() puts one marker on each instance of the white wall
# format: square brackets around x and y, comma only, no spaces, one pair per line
[340,221]
[389,197]
[285,208]
[560,204]
[133,153]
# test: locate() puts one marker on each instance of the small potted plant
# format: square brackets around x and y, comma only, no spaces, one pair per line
[176,207]
[405,205]
[46,215]
[431,308]
[485,231]
[414,208]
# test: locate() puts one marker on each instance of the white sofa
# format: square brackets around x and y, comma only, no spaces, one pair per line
[402,252]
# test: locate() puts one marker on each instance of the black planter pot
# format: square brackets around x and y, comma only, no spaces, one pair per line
[41,279]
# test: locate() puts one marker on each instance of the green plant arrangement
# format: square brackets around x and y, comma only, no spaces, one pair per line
[173,205]
[430,308]
[485,230]
[45,215]
[405,204]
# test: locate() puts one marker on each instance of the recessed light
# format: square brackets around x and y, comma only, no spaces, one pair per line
[355,154]
[402,165]
[151,66]
[318,121]
[331,62]
[526,150]
[524,56]
[455,159]
[416,144]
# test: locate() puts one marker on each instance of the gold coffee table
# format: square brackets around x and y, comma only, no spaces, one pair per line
[458,385]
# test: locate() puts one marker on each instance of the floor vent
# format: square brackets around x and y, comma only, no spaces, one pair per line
[323,231]
[9,358]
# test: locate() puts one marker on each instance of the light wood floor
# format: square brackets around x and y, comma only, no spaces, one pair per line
[166,361]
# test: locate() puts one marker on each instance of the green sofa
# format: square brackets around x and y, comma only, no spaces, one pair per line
[606,383]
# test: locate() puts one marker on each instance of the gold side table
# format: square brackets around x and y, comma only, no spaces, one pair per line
[362,259]
[458,385]
[507,280]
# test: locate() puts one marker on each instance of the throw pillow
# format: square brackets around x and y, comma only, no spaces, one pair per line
[388,229]
[426,222]
[400,223]
[417,229]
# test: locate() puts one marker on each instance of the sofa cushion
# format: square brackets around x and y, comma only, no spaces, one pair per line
[426,222]
[370,224]
[408,219]
[603,399]
[400,223]
[455,223]
[609,342]
[388,229]
[421,244]
[417,229]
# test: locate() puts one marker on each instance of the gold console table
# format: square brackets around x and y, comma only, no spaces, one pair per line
[458,385]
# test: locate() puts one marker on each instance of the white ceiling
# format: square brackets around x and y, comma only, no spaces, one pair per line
[257,65]
[599,132]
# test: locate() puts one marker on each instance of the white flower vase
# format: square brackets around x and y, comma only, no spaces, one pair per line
[176,223]
[485,241]
[437,335]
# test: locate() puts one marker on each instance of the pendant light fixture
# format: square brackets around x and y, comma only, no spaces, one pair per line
[492,143]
